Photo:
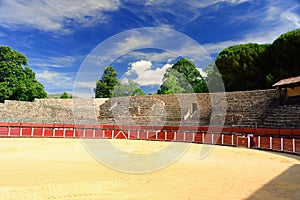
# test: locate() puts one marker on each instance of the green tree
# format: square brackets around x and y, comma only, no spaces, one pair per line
[214,78]
[17,80]
[285,52]
[128,89]
[182,77]
[243,66]
[173,83]
[106,84]
[65,96]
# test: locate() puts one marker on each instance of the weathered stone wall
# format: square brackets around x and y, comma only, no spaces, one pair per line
[48,110]
[232,108]
[259,108]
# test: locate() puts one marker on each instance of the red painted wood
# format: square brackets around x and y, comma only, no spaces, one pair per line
[287,144]
[180,136]
[208,138]
[276,143]
[242,141]
[108,133]
[297,145]
[152,134]
[133,134]
[217,138]
[76,133]
[272,132]
[265,142]
[108,126]
[4,124]
[143,135]
[26,132]
[69,133]
[227,130]
[198,137]
[15,132]
[260,131]
[161,135]
[189,136]
[254,141]
[98,133]
[59,132]
[170,135]
[15,124]
[296,133]
[238,130]
[3,131]
[37,132]
[48,132]
[285,132]
[203,129]
[249,130]
[227,139]
[120,134]
[89,133]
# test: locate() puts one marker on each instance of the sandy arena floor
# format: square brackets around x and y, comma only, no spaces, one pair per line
[62,169]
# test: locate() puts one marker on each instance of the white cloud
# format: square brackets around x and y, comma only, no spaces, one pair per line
[202,72]
[169,44]
[133,42]
[206,3]
[54,62]
[292,16]
[139,67]
[272,20]
[145,74]
[158,2]
[54,81]
[53,15]
[185,11]
[159,56]
[126,45]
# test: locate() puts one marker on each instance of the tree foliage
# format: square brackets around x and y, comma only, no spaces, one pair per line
[285,54]
[182,77]
[213,78]
[127,89]
[17,80]
[242,68]
[258,66]
[106,84]
[65,96]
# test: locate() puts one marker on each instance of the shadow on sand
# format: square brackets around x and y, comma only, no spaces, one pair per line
[284,186]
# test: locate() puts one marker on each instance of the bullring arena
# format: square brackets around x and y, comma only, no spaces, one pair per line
[42,158]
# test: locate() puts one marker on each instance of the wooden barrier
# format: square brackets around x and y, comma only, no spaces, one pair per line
[276,144]
[284,140]
[243,141]
[265,142]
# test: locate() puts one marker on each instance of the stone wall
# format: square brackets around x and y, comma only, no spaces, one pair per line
[48,110]
[258,108]
[232,108]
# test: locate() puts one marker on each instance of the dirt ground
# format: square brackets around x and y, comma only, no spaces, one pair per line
[40,168]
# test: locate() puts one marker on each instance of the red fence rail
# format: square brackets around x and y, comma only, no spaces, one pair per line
[285,140]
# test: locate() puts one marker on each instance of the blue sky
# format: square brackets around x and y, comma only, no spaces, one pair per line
[57,36]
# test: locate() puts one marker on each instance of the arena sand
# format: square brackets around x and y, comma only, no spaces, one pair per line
[41,168]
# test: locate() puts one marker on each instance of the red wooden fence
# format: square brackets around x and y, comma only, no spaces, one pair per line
[285,140]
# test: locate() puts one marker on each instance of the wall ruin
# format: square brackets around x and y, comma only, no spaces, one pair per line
[259,108]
